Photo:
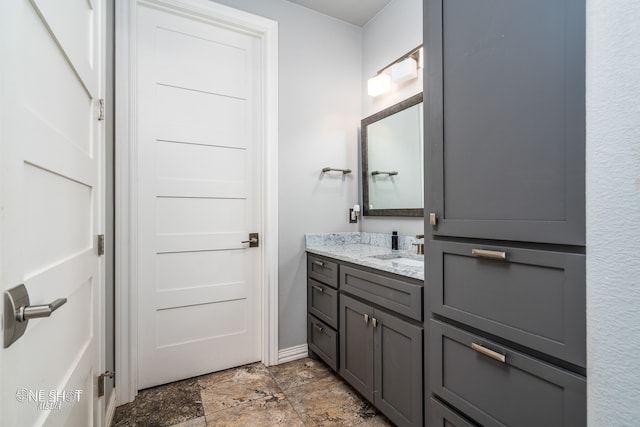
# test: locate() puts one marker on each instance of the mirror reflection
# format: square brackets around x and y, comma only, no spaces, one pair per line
[392,160]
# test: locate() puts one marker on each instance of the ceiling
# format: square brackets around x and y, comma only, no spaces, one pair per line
[356,12]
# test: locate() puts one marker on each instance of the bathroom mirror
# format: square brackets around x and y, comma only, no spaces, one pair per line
[392,160]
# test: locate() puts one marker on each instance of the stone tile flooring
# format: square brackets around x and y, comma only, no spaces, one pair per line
[303,393]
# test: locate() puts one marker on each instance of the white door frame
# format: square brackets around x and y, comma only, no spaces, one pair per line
[126,176]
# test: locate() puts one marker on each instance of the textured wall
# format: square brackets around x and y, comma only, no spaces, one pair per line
[396,30]
[319,115]
[613,212]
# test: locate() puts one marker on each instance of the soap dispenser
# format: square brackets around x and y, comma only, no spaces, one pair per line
[394,240]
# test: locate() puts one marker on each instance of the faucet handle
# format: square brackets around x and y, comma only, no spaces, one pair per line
[419,248]
[419,236]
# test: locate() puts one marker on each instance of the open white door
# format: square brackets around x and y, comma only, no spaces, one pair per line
[51,207]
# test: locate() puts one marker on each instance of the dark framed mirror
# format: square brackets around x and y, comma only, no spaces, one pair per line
[392,143]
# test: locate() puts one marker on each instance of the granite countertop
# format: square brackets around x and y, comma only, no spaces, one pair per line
[370,250]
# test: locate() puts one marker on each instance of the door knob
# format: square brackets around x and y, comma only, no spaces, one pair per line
[17,312]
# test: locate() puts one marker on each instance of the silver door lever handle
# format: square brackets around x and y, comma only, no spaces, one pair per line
[34,311]
[254,240]
[18,310]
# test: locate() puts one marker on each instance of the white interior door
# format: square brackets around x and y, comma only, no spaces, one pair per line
[51,204]
[199,286]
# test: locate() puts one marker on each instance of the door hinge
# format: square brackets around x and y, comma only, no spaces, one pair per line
[101,109]
[100,244]
[101,377]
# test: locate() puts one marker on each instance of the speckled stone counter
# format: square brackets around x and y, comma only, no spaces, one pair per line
[362,248]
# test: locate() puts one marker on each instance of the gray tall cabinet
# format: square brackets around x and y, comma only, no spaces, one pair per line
[505,212]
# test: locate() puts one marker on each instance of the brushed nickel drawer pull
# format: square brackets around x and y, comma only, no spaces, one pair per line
[319,328]
[483,253]
[318,288]
[490,353]
[319,263]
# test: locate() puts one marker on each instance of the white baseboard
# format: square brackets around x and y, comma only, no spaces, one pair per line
[292,353]
[111,409]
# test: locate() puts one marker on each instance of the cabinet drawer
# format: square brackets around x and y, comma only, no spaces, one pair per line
[520,391]
[393,294]
[441,416]
[322,302]
[323,341]
[322,270]
[533,298]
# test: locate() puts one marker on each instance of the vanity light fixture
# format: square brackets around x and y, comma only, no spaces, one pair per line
[401,70]
[379,84]
[404,70]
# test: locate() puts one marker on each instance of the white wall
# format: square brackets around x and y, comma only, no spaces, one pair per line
[319,115]
[395,31]
[613,212]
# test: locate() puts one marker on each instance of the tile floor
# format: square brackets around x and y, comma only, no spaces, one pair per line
[304,392]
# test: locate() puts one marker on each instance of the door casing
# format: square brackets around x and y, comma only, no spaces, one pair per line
[126,175]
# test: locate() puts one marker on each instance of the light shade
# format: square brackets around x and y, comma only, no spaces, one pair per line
[379,84]
[404,70]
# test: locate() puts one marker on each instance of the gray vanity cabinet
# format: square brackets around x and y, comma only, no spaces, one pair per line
[381,357]
[505,212]
[367,325]
[506,119]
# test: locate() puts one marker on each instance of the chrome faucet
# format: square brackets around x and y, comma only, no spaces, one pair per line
[419,246]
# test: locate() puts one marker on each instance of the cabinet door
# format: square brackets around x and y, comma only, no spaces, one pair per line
[506,119]
[441,416]
[356,345]
[398,369]
[498,386]
[531,297]
[323,341]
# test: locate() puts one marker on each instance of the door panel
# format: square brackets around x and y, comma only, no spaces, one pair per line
[198,189]
[52,203]
[203,118]
[507,123]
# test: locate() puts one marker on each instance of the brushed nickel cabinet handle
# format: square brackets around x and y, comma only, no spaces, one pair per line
[318,263]
[490,353]
[366,319]
[374,322]
[319,328]
[318,288]
[483,253]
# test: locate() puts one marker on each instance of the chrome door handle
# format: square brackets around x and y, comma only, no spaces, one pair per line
[18,311]
[34,311]
[254,240]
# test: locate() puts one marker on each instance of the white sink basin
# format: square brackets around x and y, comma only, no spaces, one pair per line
[408,262]
[399,260]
